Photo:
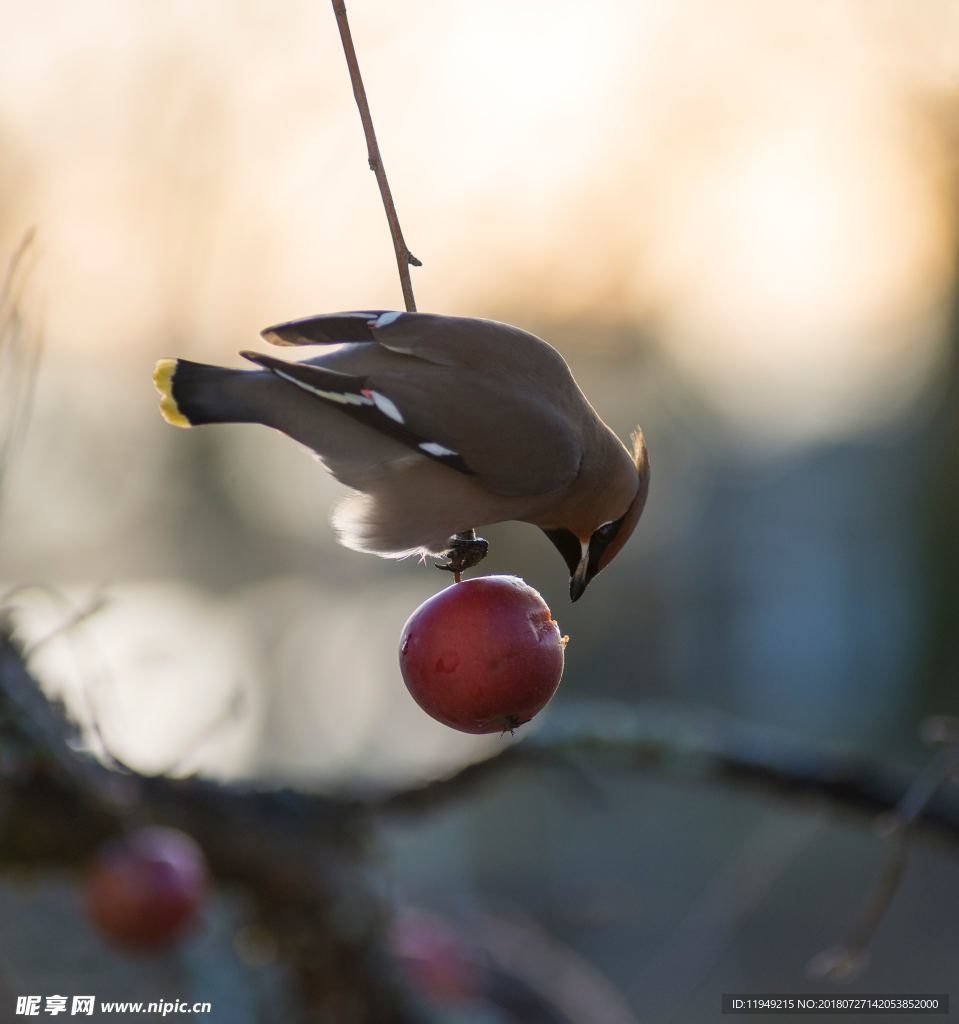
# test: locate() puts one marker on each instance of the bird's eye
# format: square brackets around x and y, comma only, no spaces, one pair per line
[608,530]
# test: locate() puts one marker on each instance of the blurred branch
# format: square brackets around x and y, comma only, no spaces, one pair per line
[39,726]
[673,979]
[17,258]
[704,748]
[404,258]
[844,961]
[297,859]
[20,349]
[560,977]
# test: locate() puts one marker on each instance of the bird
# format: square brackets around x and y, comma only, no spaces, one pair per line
[438,425]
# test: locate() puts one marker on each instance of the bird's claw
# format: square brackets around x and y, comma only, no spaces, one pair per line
[465,551]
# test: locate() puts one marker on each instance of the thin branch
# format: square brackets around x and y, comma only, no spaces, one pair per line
[42,728]
[404,258]
[13,265]
[686,959]
[844,961]
[20,349]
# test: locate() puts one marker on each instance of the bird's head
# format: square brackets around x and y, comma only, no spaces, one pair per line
[587,551]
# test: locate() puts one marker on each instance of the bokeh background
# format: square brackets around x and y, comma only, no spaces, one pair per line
[738,223]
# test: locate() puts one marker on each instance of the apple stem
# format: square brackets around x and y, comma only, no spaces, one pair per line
[457,577]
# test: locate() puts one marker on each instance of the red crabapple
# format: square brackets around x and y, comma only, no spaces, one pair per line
[483,655]
[144,891]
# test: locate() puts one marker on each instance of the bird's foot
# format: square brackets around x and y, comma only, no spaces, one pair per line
[465,551]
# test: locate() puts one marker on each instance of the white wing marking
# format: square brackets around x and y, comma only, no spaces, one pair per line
[386,406]
[385,319]
[342,397]
[432,448]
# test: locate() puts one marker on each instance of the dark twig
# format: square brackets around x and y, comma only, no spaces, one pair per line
[404,258]
[84,651]
[41,727]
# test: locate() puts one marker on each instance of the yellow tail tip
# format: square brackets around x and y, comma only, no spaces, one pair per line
[163,381]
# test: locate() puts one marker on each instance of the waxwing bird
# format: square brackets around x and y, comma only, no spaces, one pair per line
[438,425]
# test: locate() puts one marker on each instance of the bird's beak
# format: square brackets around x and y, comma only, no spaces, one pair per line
[579,581]
[575,553]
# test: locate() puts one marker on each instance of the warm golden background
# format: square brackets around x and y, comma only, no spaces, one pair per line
[738,222]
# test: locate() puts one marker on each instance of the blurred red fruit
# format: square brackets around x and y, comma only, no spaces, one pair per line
[483,655]
[436,960]
[144,891]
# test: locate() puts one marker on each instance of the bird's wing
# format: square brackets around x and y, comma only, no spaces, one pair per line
[504,432]
[468,342]
[356,398]
[508,432]
[330,329]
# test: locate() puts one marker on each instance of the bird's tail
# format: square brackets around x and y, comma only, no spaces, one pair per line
[195,393]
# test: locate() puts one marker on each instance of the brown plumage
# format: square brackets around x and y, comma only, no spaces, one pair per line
[438,425]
